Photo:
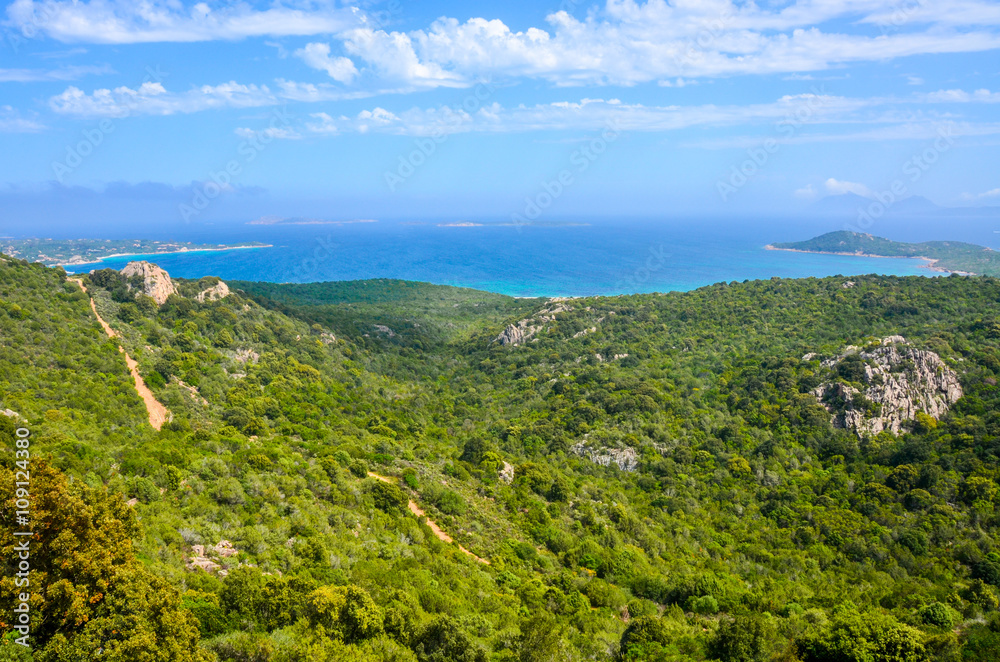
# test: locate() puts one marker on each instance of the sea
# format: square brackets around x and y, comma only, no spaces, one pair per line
[607,256]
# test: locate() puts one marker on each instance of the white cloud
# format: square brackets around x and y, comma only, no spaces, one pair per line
[154,99]
[994,193]
[806,193]
[837,187]
[584,115]
[961,96]
[130,22]
[317,56]
[62,73]
[628,43]
[12,122]
[270,133]
[914,80]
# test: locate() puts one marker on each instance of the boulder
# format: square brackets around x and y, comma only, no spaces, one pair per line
[156,282]
[218,291]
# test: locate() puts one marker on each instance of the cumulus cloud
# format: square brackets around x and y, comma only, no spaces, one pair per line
[838,187]
[154,99]
[317,56]
[629,43]
[129,22]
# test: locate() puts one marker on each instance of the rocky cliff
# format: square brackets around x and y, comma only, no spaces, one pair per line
[883,388]
[218,291]
[156,282]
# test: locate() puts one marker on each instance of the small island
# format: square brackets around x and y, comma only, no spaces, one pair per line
[946,256]
[66,252]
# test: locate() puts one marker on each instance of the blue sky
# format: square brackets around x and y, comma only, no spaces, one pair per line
[201,112]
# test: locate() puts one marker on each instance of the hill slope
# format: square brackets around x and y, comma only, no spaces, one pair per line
[954,256]
[651,477]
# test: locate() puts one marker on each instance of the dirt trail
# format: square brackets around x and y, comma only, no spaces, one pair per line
[158,414]
[431,524]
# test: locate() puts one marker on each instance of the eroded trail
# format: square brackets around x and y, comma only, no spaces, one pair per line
[431,524]
[158,414]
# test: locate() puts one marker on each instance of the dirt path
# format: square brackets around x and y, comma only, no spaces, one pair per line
[158,414]
[431,524]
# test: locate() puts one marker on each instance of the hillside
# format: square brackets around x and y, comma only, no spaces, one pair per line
[688,476]
[946,255]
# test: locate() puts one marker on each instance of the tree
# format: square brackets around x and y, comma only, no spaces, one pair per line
[743,639]
[869,636]
[90,597]
[643,638]
[443,640]
[345,611]
[387,496]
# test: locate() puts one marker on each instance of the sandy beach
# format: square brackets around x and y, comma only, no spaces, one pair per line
[181,250]
[931,262]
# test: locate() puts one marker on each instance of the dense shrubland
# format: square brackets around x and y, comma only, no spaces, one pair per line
[751,529]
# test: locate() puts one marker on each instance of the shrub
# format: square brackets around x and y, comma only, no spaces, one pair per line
[939,615]
[743,639]
[388,497]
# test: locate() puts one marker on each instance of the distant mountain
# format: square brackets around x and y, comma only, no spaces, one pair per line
[955,256]
[848,204]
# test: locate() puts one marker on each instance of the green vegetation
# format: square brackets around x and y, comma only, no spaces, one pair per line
[749,530]
[949,255]
[52,252]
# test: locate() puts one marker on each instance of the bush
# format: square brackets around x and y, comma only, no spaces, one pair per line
[388,497]
[229,491]
[347,611]
[743,639]
[939,615]
[854,636]
[359,468]
[644,638]
[443,640]
[704,604]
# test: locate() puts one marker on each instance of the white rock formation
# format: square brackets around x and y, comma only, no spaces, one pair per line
[899,380]
[518,334]
[218,291]
[627,459]
[156,281]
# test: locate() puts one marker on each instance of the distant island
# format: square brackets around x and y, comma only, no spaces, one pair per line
[66,252]
[948,256]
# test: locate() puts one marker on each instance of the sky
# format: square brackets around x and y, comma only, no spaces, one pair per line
[180,112]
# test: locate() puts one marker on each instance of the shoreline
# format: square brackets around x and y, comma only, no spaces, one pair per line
[931,261]
[183,250]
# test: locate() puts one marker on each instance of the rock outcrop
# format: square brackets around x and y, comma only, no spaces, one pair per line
[627,459]
[520,333]
[896,381]
[218,291]
[156,282]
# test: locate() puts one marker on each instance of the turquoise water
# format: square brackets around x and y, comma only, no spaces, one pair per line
[613,257]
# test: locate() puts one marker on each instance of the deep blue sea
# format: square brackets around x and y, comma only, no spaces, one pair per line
[613,256]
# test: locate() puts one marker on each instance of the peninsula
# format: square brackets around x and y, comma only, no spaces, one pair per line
[65,252]
[947,256]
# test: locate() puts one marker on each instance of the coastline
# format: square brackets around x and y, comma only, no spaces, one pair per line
[931,261]
[182,250]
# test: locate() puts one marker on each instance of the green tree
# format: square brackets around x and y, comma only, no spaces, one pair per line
[90,597]
[855,636]
[742,639]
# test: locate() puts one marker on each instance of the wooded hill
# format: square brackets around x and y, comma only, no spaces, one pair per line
[650,477]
